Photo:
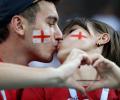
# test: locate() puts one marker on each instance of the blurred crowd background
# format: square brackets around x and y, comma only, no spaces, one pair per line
[107,11]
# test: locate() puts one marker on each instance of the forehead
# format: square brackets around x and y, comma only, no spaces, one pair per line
[76,26]
[88,26]
[73,27]
[48,8]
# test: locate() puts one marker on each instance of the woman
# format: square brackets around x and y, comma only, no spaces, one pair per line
[92,37]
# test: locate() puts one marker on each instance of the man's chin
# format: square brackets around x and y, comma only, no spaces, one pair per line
[49,57]
[46,58]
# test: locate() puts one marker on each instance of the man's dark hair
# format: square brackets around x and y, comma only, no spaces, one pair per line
[29,14]
[111,50]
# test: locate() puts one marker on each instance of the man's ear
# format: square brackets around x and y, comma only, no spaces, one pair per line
[17,24]
[103,39]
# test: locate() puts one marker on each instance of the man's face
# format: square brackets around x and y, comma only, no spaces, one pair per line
[77,37]
[44,34]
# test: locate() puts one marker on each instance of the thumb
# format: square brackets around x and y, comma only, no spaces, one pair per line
[95,85]
[80,88]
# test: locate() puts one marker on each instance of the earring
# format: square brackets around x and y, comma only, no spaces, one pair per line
[98,44]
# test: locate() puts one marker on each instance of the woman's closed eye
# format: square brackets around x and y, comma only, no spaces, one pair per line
[72,30]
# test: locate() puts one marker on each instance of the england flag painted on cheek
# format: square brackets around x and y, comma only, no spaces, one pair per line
[40,36]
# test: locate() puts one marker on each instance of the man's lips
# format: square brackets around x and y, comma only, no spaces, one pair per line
[57,48]
[57,45]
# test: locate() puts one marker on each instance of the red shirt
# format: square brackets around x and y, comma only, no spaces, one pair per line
[63,94]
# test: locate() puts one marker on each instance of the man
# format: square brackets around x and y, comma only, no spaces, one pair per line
[20,22]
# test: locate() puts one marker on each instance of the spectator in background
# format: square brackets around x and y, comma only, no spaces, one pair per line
[109,14]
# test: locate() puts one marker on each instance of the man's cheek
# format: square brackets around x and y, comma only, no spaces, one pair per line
[41,36]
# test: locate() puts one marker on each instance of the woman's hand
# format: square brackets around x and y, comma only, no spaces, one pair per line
[109,73]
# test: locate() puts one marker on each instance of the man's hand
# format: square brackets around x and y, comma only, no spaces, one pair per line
[73,62]
[109,73]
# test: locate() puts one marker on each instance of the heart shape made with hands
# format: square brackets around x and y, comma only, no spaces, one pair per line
[95,61]
[106,69]
[88,72]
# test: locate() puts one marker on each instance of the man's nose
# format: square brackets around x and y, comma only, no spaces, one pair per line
[58,34]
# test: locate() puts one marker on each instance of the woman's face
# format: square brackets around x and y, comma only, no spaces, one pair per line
[77,37]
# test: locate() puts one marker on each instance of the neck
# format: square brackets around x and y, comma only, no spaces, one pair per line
[12,52]
[94,51]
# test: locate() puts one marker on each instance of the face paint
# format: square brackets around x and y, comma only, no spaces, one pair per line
[39,36]
[78,36]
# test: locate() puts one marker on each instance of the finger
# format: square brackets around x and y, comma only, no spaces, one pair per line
[86,60]
[80,88]
[95,57]
[77,52]
[70,68]
[99,67]
[95,85]
[97,63]
[73,55]
[77,86]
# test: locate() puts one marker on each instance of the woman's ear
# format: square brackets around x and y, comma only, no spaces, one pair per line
[103,39]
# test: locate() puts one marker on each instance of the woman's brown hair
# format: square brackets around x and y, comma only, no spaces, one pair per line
[111,50]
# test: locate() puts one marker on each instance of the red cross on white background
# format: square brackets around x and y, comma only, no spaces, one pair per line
[79,36]
[39,36]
